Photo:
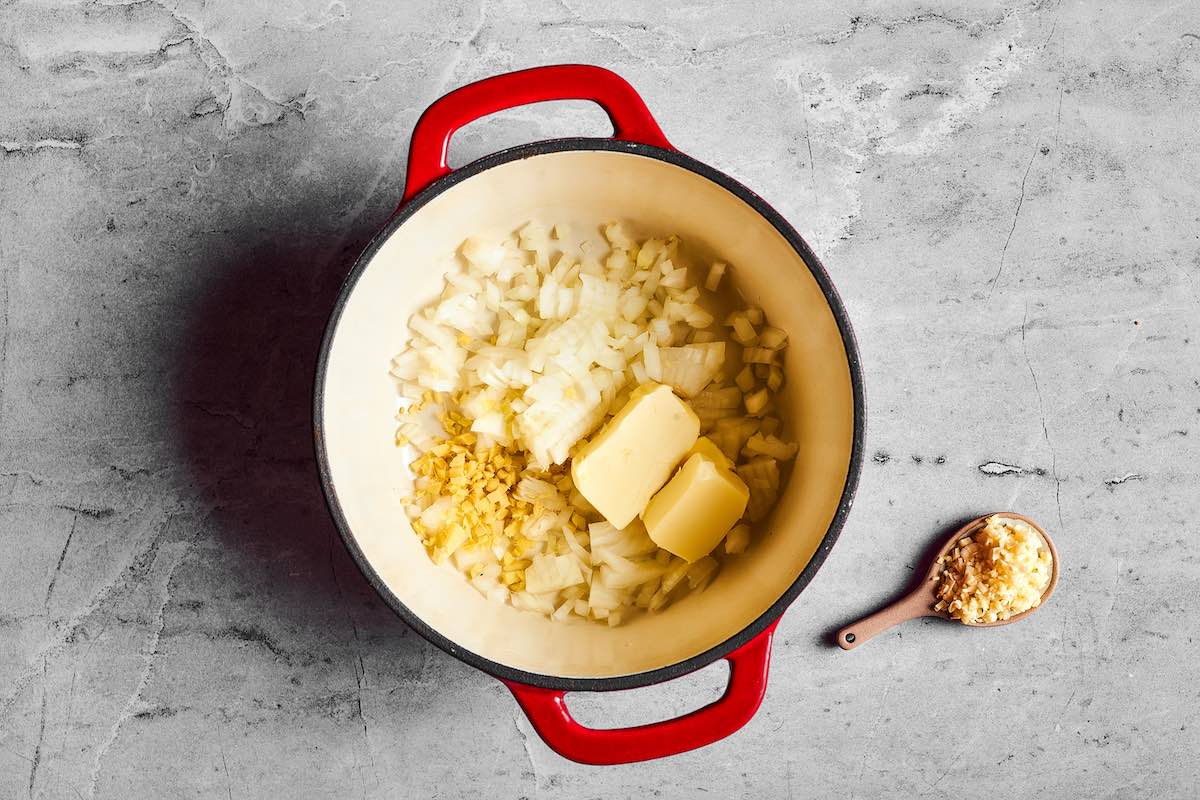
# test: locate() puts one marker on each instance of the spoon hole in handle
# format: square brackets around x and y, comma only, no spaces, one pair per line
[917,604]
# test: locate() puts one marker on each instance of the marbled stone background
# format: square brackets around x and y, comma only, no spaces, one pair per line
[1006,196]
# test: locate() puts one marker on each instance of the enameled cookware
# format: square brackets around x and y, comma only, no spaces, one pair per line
[635,176]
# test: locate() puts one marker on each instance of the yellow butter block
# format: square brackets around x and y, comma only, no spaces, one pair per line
[697,507]
[707,448]
[621,468]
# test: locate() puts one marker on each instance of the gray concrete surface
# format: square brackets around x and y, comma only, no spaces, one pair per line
[1006,196]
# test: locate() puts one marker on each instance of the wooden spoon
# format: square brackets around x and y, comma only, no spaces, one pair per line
[920,602]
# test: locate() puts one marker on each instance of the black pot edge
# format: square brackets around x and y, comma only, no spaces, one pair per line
[769,616]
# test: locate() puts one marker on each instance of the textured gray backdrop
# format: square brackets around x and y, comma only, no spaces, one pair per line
[1006,196]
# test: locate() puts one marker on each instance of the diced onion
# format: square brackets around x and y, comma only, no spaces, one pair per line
[530,347]
[743,331]
[760,445]
[758,355]
[775,379]
[745,380]
[715,273]
[691,367]
[756,403]
[701,572]
[772,338]
[651,361]
[737,539]
[761,476]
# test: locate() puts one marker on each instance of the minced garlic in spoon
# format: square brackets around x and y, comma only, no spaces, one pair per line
[994,570]
[996,574]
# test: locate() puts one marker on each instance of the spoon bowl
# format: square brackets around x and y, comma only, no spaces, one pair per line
[921,601]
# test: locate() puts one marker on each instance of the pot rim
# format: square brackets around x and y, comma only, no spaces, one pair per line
[680,668]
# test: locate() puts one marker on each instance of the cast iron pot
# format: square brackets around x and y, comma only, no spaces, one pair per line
[636,176]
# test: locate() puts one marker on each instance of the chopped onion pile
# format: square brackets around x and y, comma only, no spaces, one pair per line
[525,354]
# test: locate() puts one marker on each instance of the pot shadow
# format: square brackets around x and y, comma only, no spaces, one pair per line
[924,559]
[244,410]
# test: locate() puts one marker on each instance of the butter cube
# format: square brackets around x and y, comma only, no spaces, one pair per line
[708,448]
[697,507]
[621,468]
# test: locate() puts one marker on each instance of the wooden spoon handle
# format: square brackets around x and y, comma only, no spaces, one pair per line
[917,604]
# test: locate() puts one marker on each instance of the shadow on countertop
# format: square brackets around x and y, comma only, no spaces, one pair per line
[244,403]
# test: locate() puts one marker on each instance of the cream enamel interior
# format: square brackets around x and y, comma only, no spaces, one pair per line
[369,473]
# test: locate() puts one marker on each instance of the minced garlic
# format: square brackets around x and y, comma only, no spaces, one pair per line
[1000,572]
[469,495]
[477,482]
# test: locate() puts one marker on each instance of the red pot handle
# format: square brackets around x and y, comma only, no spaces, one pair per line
[431,137]
[547,711]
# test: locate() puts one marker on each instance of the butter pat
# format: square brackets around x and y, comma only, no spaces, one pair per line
[708,448]
[621,468]
[698,506]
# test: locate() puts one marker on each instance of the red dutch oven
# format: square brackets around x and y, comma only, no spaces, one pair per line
[635,176]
